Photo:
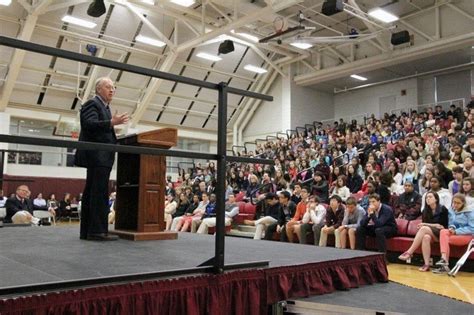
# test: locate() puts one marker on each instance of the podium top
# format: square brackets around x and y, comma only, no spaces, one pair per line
[161,138]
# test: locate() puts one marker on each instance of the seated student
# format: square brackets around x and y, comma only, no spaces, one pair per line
[341,189]
[455,185]
[183,204]
[296,195]
[371,189]
[268,216]
[468,191]
[231,210]
[64,209]
[460,230]
[170,208]
[313,219]
[408,204]
[286,212]
[352,218]
[444,194]
[3,199]
[294,225]
[320,187]
[382,225]
[19,209]
[434,219]
[40,203]
[189,212]
[195,216]
[333,220]
[209,212]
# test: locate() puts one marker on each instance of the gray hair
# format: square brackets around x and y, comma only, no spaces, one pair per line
[99,82]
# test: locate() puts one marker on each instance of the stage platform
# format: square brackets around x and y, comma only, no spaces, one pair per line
[32,256]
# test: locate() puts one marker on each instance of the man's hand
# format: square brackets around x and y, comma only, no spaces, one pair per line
[370,210]
[119,119]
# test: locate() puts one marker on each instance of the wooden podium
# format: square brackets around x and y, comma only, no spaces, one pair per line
[141,184]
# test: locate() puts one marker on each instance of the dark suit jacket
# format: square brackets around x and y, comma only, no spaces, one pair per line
[95,127]
[13,205]
[385,217]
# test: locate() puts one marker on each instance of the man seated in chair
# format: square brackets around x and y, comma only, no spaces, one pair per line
[231,210]
[379,222]
[20,209]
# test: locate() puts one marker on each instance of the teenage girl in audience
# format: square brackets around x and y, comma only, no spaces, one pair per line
[460,230]
[434,219]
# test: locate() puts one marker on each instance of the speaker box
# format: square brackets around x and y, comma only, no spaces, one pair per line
[400,38]
[331,7]
[96,8]
[226,47]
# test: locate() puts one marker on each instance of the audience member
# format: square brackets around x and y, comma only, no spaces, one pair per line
[382,225]
[231,210]
[334,217]
[19,209]
[408,204]
[434,219]
[460,230]
[353,215]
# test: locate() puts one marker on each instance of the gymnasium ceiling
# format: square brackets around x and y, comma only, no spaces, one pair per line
[442,33]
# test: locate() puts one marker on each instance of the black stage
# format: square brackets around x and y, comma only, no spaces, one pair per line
[34,255]
[39,260]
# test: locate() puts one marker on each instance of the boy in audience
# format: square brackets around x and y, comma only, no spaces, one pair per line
[286,212]
[294,225]
[231,210]
[379,222]
[269,216]
[334,217]
[408,204]
[313,220]
[352,218]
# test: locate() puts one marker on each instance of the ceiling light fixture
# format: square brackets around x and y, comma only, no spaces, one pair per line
[150,2]
[358,77]
[150,41]
[5,2]
[184,3]
[77,21]
[253,38]
[382,15]
[255,69]
[207,56]
[301,45]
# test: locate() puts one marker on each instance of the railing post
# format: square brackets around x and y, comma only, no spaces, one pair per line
[221,170]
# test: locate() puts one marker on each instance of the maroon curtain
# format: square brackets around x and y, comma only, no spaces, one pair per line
[240,292]
[325,277]
[244,292]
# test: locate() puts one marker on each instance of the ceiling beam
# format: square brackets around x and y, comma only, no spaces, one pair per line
[383,44]
[224,29]
[64,5]
[151,90]
[458,10]
[17,61]
[90,86]
[388,59]
[153,28]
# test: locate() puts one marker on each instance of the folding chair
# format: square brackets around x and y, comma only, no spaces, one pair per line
[462,260]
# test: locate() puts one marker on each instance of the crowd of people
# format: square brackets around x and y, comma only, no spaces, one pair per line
[349,180]
[353,180]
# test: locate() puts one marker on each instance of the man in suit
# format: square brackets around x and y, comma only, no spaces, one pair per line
[379,222]
[20,209]
[97,125]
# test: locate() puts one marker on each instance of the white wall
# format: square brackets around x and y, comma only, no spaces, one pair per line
[308,105]
[267,119]
[448,86]
[368,100]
